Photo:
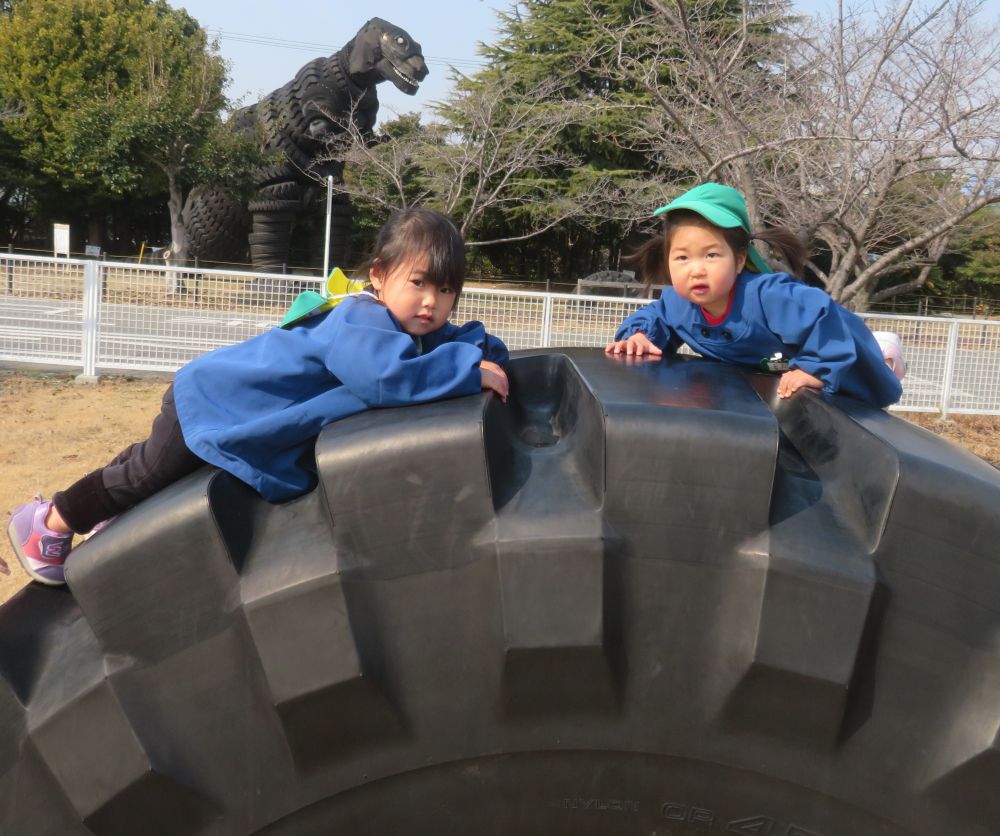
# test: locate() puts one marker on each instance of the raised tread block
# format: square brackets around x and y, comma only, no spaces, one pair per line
[818,616]
[145,607]
[858,471]
[160,589]
[155,806]
[82,735]
[93,752]
[48,652]
[812,634]
[51,659]
[31,803]
[303,634]
[381,459]
[971,786]
[207,699]
[812,622]
[327,701]
[690,454]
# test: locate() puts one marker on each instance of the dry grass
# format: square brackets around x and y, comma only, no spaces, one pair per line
[978,433]
[55,431]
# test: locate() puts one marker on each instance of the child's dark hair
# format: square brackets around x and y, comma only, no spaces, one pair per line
[416,230]
[650,259]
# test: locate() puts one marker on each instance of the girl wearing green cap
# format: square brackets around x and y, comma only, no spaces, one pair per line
[725,302]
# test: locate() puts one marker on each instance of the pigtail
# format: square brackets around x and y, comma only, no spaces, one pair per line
[787,246]
[649,261]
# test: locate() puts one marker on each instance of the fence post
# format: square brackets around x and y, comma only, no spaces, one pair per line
[547,320]
[92,271]
[10,269]
[949,367]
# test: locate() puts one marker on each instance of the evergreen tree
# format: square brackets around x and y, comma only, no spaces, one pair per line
[973,266]
[541,41]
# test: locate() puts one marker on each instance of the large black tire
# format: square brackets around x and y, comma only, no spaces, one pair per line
[217,225]
[641,598]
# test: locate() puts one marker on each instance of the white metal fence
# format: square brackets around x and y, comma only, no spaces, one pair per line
[106,316]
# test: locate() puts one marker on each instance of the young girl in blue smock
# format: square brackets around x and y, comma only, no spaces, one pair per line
[725,302]
[254,409]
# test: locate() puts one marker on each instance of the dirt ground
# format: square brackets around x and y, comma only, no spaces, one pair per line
[53,431]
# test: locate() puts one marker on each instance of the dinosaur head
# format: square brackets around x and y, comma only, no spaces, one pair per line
[389,54]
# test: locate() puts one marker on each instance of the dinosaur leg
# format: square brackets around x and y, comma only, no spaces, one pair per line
[274,214]
[217,225]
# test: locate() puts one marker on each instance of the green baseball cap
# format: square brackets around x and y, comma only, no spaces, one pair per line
[722,206]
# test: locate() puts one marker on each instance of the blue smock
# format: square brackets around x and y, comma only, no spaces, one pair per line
[775,312]
[255,408]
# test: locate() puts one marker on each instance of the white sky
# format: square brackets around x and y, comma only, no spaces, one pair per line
[267,42]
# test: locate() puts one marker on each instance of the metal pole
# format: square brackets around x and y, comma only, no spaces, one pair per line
[326,243]
[949,368]
[91,320]
[547,320]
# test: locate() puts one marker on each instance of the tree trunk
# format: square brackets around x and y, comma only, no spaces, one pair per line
[178,236]
[860,301]
[96,231]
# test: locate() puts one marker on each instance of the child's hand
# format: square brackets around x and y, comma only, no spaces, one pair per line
[795,379]
[495,378]
[638,345]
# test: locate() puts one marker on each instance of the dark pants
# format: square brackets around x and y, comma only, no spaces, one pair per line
[135,474]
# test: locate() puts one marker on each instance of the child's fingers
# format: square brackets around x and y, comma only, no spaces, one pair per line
[495,382]
[503,386]
[637,345]
[502,375]
[791,381]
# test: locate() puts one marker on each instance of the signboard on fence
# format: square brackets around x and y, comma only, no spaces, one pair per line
[60,239]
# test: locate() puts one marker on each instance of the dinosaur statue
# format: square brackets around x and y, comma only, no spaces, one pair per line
[296,123]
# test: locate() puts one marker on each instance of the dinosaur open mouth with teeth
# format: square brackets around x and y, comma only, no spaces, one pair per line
[406,79]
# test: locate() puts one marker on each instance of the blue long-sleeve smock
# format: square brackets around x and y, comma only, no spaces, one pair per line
[254,409]
[770,313]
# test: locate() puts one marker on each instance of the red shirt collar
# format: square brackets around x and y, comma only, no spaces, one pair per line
[718,320]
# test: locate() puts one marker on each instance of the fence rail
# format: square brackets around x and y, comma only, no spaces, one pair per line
[106,316]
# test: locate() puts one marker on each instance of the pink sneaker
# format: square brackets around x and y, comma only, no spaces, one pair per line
[41,550]
[892,351]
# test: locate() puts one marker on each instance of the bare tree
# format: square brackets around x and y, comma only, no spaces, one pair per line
[381,170]
[495,149]
[505,155]
[876,134]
